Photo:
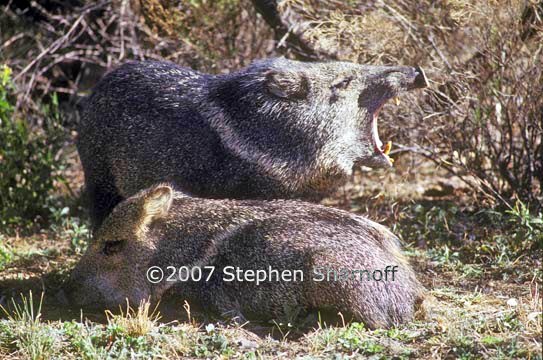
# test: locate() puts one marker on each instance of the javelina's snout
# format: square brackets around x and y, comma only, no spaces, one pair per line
[83,288]
[88,293]
[406,78]
[420,79]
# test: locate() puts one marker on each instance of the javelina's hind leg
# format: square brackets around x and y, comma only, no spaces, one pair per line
[221,302]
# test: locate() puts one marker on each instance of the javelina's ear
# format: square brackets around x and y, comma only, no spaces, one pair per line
[287,84]
[157,202]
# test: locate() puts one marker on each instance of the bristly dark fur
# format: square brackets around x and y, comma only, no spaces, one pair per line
[159,227]
[277,129]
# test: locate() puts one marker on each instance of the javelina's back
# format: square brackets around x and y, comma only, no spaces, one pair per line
[276,129]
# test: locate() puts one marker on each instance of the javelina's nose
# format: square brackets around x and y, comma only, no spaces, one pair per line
[420,79]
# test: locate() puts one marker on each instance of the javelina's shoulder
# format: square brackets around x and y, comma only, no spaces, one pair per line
[156,75]
[154,68]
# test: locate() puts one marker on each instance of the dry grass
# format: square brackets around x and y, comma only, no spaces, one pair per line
[135,322]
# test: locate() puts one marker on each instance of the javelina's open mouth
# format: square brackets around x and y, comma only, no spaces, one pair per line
[382,150]
[378,146]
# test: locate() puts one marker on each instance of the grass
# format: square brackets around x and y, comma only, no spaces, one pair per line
[138,322]
[462,325]
[6,254]
[24,332]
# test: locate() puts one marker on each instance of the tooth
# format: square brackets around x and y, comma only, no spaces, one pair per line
[397,100]
[387,148]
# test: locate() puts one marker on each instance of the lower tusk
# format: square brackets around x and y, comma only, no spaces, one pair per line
[387,148]
[397,101]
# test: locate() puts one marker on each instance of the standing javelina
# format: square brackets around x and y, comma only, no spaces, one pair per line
[159,227]
[277,129]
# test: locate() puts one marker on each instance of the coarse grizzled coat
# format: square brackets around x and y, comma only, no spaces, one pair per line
[160,227]
[276,129]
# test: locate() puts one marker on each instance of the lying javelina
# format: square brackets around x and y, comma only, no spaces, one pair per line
[274,130]
[159,227]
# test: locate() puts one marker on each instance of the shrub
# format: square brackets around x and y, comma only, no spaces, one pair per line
[212,35]
[496,138]
[29,164]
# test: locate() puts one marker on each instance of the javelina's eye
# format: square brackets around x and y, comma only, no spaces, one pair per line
[112,247]
[343,83]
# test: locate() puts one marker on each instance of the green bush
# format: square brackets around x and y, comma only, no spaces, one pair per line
[29,164]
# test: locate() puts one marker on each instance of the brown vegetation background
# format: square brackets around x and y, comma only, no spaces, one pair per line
[481,119]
